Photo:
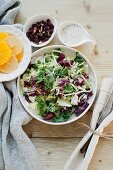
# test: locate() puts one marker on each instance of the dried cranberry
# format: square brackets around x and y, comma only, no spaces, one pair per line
[63,83]
[43,91]
[30,65]
[89,94]
[27,98]
[64,63]
[71,62]
[26,84]
[33,94]
[32,81]
[48,21]
[80,94]
[79,81]
[82,101]
[49,116]
[61,57]
[81,109]
[60,93]
[34,25]
[40,85]
[85,75]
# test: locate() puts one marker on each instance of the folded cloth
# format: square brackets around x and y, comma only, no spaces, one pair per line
[16,150]
[103,107]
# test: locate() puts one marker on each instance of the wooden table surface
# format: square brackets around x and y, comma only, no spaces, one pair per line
[55,143]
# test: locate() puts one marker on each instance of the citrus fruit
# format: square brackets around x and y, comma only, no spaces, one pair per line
[3,35]
[19,56]
[5,53]
[9,66]
[14,43]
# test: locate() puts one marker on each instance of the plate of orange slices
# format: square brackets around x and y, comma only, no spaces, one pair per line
[15,52]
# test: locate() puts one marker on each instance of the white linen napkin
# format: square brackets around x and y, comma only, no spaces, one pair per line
[79,161]
[16,150]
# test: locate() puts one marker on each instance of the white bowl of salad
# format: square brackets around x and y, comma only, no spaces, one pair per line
[59,85]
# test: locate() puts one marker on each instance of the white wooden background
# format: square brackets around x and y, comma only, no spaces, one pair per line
[55,144]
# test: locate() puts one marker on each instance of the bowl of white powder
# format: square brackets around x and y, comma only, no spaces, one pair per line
[73,34]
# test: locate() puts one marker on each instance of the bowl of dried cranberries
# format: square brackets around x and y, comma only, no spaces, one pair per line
[40,29]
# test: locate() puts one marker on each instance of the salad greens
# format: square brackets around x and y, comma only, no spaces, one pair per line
[56,86]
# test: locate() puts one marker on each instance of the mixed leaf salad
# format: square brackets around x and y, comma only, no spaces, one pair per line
[57,86]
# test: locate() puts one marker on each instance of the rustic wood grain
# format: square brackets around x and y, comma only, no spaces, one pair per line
[54,152]
[56,143]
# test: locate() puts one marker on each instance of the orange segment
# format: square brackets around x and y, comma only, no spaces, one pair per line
[14,43]
[3,35]
[10,66]
[19,56]
[5,53]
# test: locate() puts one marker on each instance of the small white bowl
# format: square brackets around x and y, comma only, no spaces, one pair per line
[73,34]
[70,52]
[37,18]
[26,53]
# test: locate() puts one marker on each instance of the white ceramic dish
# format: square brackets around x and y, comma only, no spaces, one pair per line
[26,53]
[75,34]
[32,20]
[68,51]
